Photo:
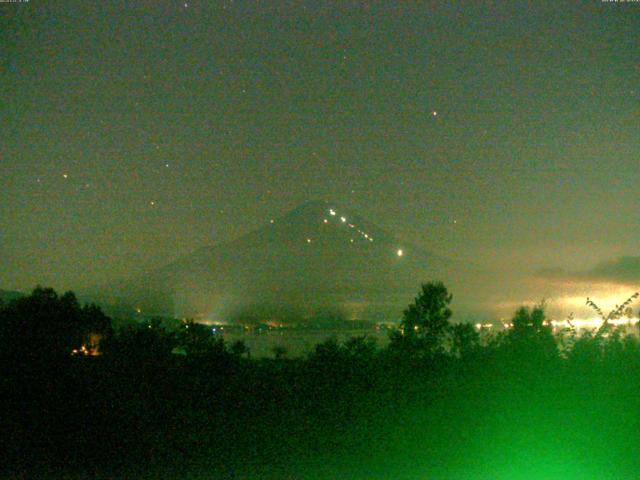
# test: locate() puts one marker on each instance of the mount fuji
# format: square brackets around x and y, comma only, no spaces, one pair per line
[316,258]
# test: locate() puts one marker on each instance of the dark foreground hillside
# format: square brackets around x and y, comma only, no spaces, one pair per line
[522,405]
[341,419]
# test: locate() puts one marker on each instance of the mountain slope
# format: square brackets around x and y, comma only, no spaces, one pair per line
[317,257]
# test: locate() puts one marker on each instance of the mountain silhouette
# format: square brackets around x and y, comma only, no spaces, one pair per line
[317,258]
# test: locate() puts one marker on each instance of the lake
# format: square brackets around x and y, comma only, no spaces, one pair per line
[299,342]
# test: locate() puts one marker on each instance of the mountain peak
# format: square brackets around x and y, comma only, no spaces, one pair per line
[318,255]
[311,207]
[321,218]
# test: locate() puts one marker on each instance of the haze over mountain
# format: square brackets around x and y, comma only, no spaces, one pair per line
[318,259]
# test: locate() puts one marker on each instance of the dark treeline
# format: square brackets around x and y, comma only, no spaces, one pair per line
[441,401]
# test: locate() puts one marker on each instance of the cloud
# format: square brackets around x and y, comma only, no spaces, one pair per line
[623,270]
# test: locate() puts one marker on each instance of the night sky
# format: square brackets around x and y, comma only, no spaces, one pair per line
[502,133]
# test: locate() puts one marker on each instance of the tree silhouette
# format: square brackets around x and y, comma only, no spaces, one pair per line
[198,340]
[425,322]
[529,322]
[360,348]
[44,325]
[239,348]
[618,312]
[531,336]
[327,355]
[465,339]
[279,352]
[142,343]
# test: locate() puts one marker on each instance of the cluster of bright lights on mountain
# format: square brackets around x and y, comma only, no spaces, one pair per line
[343,219]
[362,233]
